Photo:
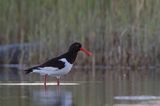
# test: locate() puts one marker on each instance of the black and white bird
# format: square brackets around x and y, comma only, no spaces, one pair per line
[60,65]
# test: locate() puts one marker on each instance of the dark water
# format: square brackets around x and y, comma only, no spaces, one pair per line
[108,88]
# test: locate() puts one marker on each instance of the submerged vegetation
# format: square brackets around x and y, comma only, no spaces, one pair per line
[119,32]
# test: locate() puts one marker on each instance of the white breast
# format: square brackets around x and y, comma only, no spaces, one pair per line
[67,67]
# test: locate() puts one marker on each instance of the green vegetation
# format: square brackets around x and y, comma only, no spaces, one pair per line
[119,32]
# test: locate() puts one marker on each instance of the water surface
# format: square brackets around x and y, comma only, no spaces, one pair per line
[107,88]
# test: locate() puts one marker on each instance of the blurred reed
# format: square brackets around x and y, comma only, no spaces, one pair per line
[119,32]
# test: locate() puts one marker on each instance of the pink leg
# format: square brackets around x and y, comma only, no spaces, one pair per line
[58,81]
[45,79]
[58,86]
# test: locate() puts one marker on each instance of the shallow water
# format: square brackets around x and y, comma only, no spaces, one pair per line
[82,88]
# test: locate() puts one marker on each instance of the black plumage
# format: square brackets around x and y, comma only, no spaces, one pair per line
[70,56]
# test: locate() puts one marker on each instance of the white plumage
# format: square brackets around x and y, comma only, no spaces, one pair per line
[53,71]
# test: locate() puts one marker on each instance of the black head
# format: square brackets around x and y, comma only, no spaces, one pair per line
[75,47]
[73,50]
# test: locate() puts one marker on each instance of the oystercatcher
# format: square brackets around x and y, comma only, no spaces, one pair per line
[60,65]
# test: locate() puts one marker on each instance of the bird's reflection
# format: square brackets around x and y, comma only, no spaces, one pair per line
[52,97]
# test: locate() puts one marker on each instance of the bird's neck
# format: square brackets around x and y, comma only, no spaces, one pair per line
[71,57]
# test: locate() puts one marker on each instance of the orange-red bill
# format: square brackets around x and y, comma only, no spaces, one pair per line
[86,51]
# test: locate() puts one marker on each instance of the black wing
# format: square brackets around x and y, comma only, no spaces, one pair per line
[54,63]
[50,63]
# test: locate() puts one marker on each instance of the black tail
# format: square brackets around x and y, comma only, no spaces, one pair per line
[27,71]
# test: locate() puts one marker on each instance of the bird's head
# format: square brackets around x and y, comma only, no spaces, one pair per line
[76,47]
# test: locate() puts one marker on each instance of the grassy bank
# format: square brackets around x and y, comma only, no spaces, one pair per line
[122,32]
